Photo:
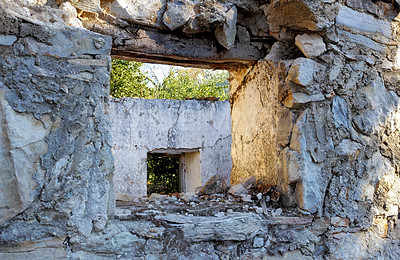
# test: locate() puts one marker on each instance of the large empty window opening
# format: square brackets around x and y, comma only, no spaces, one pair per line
[155,81]
[173,171]
[165,120]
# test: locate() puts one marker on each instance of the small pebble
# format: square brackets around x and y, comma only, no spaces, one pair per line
[219,214]
[277,212]
[258,210]
[247,198]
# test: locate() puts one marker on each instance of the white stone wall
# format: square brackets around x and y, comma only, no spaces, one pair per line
[140,126]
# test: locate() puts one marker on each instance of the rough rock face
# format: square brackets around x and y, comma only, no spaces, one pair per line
[206,32]
[55,136]
[311,45]
[140,12]
[177,14]
[226,34]
[343,109]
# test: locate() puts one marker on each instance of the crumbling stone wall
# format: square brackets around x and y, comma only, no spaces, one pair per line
[140,126]
[327,90]
[335,75]
[56,174]
[201,33]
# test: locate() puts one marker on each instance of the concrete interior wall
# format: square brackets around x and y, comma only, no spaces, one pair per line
[192,171]
[140,126]
[255,108]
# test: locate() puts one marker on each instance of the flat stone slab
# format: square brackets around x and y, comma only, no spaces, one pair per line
[363,22]
[232,227]
[289,220]
[7,40]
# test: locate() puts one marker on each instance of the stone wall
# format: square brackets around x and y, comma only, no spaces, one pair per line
[317,116]
[200,33]
[332,75]
[140,126]
[56,160]
[256,111]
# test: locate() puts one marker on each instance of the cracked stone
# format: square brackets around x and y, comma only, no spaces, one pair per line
[312,45]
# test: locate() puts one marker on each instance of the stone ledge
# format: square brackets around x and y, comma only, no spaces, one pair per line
[289,220]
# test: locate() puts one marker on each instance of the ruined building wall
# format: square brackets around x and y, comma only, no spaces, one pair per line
[140,126]
[337,69]
[332,68]
[254,98]
[200,33]
[56,160]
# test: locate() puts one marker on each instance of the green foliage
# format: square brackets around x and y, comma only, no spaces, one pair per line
[126,79]
[162,174]
[129,79]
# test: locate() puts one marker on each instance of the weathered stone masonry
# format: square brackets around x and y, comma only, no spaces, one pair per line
[56,142]
[314,105]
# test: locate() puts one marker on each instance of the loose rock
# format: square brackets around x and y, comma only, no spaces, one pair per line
[216,184]
[178,13]
[312,45]
[237,190]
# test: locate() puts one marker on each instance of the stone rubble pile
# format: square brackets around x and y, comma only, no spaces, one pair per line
[214,222]
[215,198]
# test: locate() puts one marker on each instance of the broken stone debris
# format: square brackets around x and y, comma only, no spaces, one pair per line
[216,184]
[189,197]
[248,182]
[213,214]
[242,189]
[237,190]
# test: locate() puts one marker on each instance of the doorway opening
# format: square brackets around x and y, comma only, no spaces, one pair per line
[173,171]
[162,174]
